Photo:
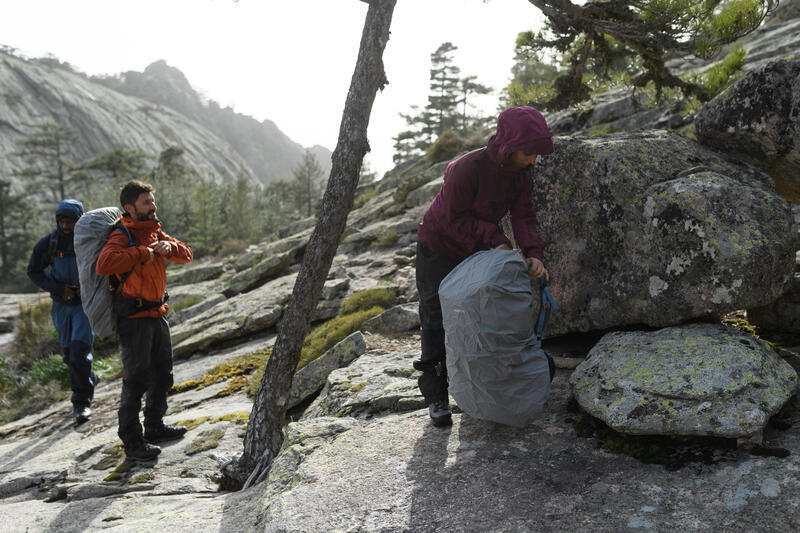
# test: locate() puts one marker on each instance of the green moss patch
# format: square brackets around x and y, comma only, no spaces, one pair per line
[355,310]
[122,468]
[234,385]
[236,416]
[332,332]
[238,366]
[367,299]
[206,440]
[192,423]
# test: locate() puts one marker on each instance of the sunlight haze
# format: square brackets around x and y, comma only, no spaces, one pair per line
[289,62]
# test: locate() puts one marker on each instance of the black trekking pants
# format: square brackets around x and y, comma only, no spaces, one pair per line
[431,270]
[147,368]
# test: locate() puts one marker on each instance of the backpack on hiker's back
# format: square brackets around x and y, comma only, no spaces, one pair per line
[91,233]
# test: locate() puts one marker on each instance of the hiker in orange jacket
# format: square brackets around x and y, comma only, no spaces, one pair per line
[135,254]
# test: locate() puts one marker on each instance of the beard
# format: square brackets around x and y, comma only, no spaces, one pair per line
[144,216]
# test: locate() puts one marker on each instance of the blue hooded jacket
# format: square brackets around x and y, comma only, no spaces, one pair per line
[63,267]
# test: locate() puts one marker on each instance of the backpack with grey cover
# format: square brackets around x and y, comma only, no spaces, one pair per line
[90,235]
[497,370]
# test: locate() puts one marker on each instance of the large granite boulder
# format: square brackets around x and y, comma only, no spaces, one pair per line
[701,379]
[652,228]
[758,120]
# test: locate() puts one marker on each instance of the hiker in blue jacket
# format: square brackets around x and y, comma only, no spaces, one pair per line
[55,250]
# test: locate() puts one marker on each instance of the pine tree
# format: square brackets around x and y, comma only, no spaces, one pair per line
[306,185]
[447,109]
[206,231]
[444,89]
[601,39]
[47,152]
[16,237]
[469,86]
[104,174]
[120,165]
[174,181]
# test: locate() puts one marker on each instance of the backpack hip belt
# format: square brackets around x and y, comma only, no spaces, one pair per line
[125,306]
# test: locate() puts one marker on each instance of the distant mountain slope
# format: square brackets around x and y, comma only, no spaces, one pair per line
[33,92]
[267,150]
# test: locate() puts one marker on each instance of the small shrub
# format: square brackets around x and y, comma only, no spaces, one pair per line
[366,299]
[36,336]
[385,240]
[50,368]
[448,145]
[6,375]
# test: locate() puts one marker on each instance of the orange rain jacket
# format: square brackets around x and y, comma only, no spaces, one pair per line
[147,280]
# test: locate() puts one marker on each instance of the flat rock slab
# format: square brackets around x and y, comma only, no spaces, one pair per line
[234,318]
[377,382]
[398,473]
[701,379]
[398,319]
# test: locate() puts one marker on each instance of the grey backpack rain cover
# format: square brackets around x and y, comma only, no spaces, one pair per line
[496,370]
[91,233]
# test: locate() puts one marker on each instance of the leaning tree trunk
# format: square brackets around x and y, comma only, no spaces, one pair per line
[265,430]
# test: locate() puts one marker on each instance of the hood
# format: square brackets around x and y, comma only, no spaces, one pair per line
[520,128]
[70,209]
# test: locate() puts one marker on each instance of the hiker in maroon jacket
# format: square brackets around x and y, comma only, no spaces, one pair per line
[479,189]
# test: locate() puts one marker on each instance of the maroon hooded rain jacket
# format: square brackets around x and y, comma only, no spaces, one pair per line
[482,186]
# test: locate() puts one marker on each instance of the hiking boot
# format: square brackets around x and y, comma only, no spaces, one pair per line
[141,451]
[163,433]
[81,414]
[440,413]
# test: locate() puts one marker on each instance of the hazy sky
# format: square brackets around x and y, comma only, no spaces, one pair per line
[289,61]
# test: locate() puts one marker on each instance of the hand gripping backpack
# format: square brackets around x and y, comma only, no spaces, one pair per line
[497,370]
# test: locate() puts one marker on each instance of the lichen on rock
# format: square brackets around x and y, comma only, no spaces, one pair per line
[701,379]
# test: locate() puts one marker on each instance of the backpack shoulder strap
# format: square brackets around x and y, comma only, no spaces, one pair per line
[119,226]
[52,246]
[114,281]
[547,305]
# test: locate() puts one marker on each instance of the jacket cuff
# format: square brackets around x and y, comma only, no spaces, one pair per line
[499,238]
[531,252]
[144,254]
